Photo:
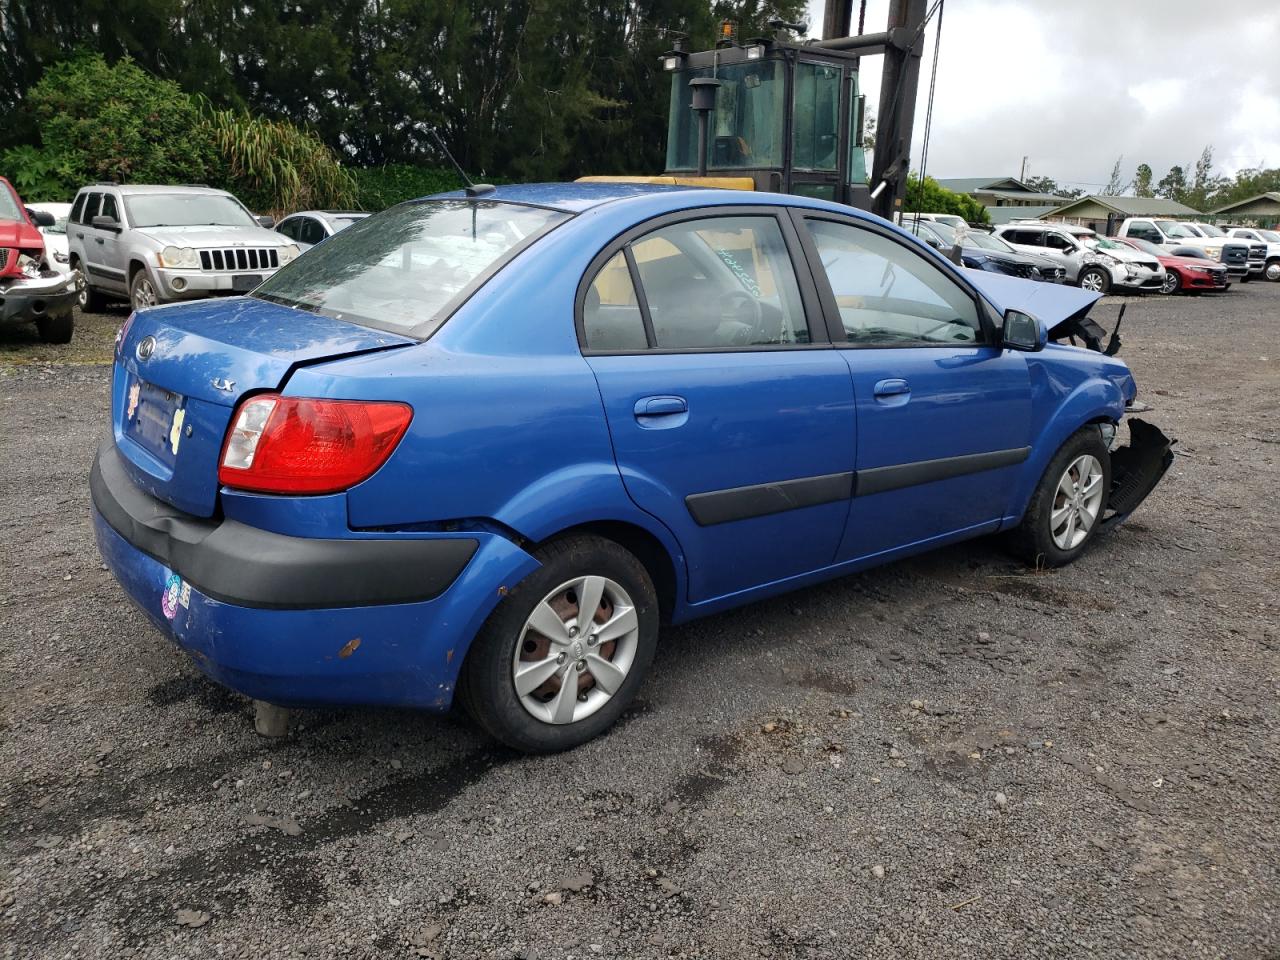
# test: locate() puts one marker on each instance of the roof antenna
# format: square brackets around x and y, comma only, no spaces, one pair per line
[1113,345]
[473,189]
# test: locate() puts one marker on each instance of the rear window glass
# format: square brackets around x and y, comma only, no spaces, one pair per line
[405,270]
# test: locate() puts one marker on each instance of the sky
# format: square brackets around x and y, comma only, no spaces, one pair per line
[1074,84]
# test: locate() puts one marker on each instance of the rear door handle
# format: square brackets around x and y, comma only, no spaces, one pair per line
[892,388]
[660,406]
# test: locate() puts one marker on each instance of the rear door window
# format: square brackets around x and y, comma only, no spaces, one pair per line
[310,231]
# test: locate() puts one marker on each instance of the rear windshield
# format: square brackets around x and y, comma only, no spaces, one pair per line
[405,269]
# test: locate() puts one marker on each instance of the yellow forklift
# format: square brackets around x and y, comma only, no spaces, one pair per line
[787,116]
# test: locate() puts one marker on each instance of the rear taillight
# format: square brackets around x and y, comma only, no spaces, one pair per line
[301,445]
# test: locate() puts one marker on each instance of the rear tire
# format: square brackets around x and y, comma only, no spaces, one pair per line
[1049,533]
[56,329]
[615,651]
[90,300]
[1272,270]
[1096,279]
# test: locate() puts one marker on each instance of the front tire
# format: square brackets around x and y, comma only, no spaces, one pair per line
[142,291]
[1172,283]
[1096,280]
[1069,503]
[56,329]
[538,680]
[1272,271]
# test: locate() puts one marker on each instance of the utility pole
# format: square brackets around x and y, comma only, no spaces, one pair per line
[1023,175]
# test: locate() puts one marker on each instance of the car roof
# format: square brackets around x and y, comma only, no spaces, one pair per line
[141,188]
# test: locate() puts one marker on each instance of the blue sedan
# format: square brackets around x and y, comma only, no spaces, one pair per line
[483,445]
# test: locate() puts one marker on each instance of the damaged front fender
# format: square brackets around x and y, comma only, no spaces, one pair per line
[1137,468]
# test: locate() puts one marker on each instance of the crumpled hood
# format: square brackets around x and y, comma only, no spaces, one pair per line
[215,236]
[20,234]
[1050,303]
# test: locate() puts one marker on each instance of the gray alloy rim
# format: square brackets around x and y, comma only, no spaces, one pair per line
[1273,271]
[144,294]
[82,291]
[1076,502]
[567,666]
[1092,281]
[1170,283]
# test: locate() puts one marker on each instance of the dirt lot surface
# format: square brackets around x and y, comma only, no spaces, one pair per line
[947,757]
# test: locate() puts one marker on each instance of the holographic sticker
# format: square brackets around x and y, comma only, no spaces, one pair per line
[170,597]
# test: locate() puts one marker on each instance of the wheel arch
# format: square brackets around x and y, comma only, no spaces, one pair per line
[136,263]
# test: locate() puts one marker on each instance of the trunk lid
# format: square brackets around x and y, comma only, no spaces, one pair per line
[180,371]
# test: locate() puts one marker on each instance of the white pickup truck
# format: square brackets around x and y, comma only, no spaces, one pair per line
[1233,254]
[1257,235]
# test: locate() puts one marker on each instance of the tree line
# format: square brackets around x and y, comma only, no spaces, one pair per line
[523,89]
[1194,184]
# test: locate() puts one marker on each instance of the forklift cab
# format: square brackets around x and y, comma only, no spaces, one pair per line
[788,116]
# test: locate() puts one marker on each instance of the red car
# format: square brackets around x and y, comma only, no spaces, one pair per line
[30,292]
[1182,273]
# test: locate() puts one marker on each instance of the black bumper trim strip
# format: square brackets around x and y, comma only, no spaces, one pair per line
[243,565]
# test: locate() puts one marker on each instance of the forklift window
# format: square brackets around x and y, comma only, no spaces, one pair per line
[816,129]
[746,125]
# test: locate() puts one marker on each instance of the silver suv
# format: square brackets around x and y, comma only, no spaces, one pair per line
[160,244]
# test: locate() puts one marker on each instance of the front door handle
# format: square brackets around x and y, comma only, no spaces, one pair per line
[99,240]
[660,406]
[892,388]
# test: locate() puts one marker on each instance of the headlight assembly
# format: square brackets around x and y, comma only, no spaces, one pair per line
[181,258]
[287,254]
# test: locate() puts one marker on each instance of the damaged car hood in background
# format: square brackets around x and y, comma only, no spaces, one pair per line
[1062,309]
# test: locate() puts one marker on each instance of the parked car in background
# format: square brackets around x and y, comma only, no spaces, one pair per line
[1183,274]
[55,235]
[31,291]
[1233,254]
[1257,256]
[982,251]
[157,244]
[950,219]
[481,446]
[1092,262]
[1269,237]
[309,227]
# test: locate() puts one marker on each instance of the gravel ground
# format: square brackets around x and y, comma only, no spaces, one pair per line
[946,757]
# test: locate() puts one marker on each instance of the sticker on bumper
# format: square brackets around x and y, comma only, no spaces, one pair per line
[176,594]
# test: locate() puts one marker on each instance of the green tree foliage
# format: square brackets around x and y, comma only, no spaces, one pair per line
[929,197]
[275,166]
[1142,178]
[1173,185]
[103,122]
[1115,183]
[528,89]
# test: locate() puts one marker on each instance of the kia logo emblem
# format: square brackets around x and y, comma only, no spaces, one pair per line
[146,347]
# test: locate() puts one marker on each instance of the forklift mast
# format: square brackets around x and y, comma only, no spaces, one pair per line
[788,117]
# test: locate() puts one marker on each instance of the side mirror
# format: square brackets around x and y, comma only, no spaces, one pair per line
[1021,331]
[933,242]
[41,218]
[106,223]
[266,221]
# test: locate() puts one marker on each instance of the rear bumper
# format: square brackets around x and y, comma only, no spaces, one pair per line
[28,300]
[301,621]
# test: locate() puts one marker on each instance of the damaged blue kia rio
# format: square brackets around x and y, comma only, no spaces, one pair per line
[482,444]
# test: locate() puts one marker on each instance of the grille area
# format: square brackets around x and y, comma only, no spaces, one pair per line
[4,257]
[1235,255]
[240,258]
[1257,253]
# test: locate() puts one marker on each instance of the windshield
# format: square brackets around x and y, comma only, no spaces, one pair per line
[746,125]
[1172,230]
[986,241]
[8,205]
[1146,246]
[401,270]
[1269,235]
[1209,230]
[1106,243]
[186,210]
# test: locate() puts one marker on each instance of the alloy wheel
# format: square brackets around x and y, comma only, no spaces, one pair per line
[575,650]
[1091,281]
[1077,501]
[144,294]
[82,291]
[1170,282]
